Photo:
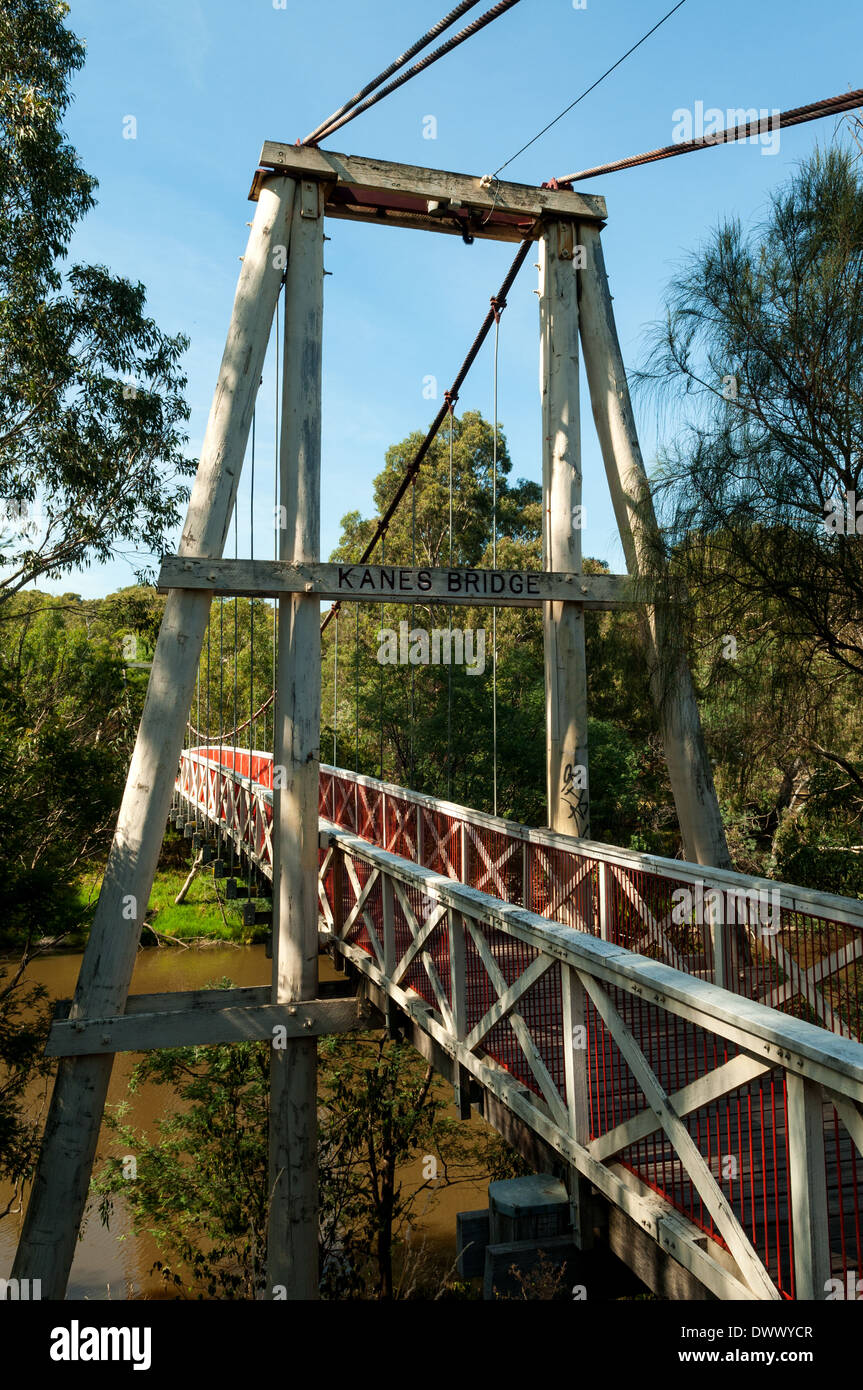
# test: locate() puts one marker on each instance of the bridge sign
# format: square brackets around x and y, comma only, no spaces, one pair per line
[399,583]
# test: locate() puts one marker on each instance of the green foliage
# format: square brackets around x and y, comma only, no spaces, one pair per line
[201,1189]
[381,1108]
[204,914]
[24,1021]
[66,724]
[614,775]
[762,350]
[43,189]
[760,364]
[91,391]
[433,724]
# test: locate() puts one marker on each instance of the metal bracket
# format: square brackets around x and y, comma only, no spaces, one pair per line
[310,199]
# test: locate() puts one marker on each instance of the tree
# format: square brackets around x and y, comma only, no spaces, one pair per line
[24,1022]
[433,724]
[67,722]
[91,415]
[380,1107]
[91,391]
[760,362]
[763,347]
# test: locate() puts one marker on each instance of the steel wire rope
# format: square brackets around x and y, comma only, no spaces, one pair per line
[588,90]
[798,115]
[474,27]
[494,563]
[409,53]
[450,395]
[449,620]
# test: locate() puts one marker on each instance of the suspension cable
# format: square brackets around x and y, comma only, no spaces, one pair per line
[333,124]
[357,677]
[494,558]
[830,106]
[449,618]
[409,53]
[336,695]
[381,679]
[588,90]
[449,396]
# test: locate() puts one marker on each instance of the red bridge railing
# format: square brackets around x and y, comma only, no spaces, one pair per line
[795,950]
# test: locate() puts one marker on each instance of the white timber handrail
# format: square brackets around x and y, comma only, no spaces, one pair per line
[809,1066]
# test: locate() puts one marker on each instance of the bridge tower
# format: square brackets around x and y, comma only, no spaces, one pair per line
[294,190]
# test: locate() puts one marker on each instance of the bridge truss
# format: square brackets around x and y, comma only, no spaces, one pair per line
[467,967]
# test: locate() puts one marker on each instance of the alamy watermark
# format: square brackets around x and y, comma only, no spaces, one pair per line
[756,906]
[714,125]
[416,646]
[843,516]
[21,518]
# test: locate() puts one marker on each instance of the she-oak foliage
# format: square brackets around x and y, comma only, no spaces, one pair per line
[91,390]
[759,368]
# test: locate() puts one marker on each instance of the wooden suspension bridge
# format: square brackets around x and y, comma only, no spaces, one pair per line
[680,1042]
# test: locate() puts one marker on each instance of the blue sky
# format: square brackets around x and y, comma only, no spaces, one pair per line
[209,80]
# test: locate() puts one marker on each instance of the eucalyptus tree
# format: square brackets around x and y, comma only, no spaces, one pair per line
[91,390]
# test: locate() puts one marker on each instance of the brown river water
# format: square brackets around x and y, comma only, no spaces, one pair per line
[115,1263]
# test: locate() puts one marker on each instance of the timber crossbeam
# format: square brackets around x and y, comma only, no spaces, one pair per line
[401,583]
[230,1017]
[405,195]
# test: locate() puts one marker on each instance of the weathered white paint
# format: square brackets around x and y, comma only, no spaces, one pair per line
[688,764]
[764,1033]
[458,192]
[292,1244]
[62,1177]
[809,1215]
[198,1027]
[563,623]
[483,588]
[807,1054]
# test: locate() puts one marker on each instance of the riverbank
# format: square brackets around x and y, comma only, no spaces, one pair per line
[117,1262]
[205,916]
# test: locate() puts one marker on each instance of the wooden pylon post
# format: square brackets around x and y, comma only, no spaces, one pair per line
[292,1244]
[62,1178]
[566,763]
[563,623]
[671,683]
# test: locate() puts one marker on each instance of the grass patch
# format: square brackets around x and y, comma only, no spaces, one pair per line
[205,915]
